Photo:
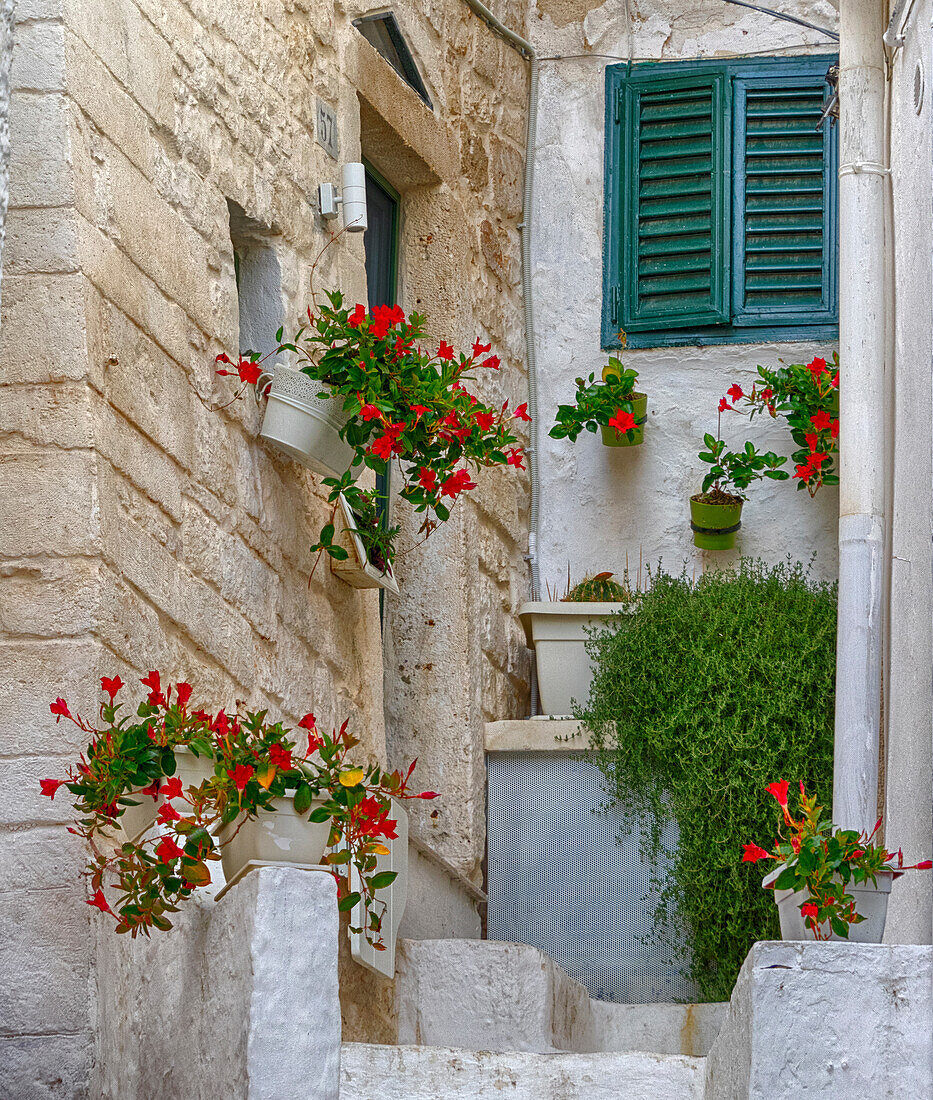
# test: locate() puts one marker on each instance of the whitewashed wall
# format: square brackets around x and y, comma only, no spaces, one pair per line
[601,504]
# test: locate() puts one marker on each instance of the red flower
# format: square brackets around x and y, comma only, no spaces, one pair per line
[370,412]
[241,775]
[111,687]
[779,791]
[724,405]
[493,362]
[172,788]
[358,316]
[60,709]
[220,726]
[795,844]
[308,722]
[766,394]
[809,910]
[183,692]
[456,483]
[480,349]
[735,392]
[858,852]
[817,459]
[314,743]
[622,421]
[515,457]
[281,757]
[167,850]
[813,440]
[427,794]
[154,682]
[50,786]
[753,853]
[834,429]
[924,865]
[167,813]
[484,419]
[248,372]
[821,420]
[817,367]
[427,478]
[419,410]
[834,381]
[521,413]
[445,351]
[803,472]
[384,446]
[372,819]
[99,902]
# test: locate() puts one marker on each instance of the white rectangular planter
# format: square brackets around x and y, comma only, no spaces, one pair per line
[870,902]
[557,633]
[358,570]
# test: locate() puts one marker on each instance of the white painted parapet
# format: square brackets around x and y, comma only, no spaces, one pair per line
[836,1020]
[239,1000]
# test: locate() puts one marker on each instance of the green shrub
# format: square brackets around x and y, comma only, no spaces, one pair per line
[711,691]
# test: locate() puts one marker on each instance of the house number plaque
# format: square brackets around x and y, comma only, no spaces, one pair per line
[327,128]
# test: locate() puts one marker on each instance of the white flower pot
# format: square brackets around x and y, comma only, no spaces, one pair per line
[304,426]
[358,571]
[557,634]
[280,837]
[192,771]
[871,902]
[139,819]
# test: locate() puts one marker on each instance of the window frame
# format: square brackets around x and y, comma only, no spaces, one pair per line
[621,79]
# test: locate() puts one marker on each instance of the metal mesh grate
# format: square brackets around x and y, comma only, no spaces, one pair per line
[559,879]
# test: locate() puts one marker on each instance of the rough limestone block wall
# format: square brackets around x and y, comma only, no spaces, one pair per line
[601,507]
[151,529]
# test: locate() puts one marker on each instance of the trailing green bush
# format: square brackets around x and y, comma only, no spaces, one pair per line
[703,697]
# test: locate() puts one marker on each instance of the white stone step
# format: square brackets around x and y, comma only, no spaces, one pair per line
[371,1072]
[487,995]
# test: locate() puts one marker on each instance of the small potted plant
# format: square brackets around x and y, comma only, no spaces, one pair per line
[557,631]
[262,800]
[807,396]
[716,512]
[389,401]
[613,406]
[833,883]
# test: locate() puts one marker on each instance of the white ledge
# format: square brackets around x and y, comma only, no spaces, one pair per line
[544,734]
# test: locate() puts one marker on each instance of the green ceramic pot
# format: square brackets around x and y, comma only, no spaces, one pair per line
[714,525]
[612,438]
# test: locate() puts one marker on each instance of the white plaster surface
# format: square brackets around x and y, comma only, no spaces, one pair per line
[660,1028]
[240,1000]
[421,1073]
[605,507]
[834,1020]
[441,903]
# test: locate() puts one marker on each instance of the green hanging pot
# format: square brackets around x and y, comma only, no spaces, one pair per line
[714,525]
[612,438]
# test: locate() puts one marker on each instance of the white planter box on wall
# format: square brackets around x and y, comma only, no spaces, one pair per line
[304,426]
[358,570]
[557,632]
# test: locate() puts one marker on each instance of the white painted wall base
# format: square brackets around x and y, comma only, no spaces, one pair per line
[239,1001]
[834,1020]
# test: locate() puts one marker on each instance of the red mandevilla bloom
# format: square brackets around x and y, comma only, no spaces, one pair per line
[182,693]
[111,686]
[735,392]
[515,457]
[622,421]
[308,722]
[779,791]
[521,412]
[50,786]
[99,902]
[172,787]
[445,351]
[154,682]
[724,405]
[480,349]
[167,850]
[753,853]
[241,775]
[60,709]
[280,757]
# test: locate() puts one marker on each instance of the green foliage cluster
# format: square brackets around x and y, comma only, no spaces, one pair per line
[699,700]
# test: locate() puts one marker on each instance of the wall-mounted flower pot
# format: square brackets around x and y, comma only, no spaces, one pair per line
[557,632]
[282,836]
[358,570]
[192,771]
[871,902]
[304,426]
[714,525]
[612,438]
[137,820]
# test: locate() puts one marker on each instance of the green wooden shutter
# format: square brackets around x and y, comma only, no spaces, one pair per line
[675,210]
[784,233]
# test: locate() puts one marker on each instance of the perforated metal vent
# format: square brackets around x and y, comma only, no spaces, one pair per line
[559,879]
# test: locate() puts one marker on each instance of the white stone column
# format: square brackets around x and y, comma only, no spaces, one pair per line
[239,1000]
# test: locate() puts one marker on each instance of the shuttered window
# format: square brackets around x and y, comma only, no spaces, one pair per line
[720,203]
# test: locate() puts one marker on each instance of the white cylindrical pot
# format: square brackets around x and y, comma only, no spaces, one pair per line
[139,819]
[557,632]
[304,426]
[192,771]
[871,902]
[282,836]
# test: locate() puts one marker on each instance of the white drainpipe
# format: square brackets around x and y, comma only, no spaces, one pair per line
[862,442]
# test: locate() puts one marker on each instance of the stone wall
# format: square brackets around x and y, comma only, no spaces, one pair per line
[149,527]
[600,507]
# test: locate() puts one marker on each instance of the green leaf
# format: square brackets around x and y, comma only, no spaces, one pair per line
[382,880]
[303,798]
[320,815]
[346,903]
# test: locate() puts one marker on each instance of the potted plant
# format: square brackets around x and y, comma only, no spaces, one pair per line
[368,561]
[831,882]
[557,631]
[390,401]
[266,800]
[807,396]
[613,406]
[716,512]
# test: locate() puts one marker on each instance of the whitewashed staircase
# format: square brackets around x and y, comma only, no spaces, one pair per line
[484,1019]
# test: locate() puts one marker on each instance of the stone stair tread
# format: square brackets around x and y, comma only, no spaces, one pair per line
[371,1072]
